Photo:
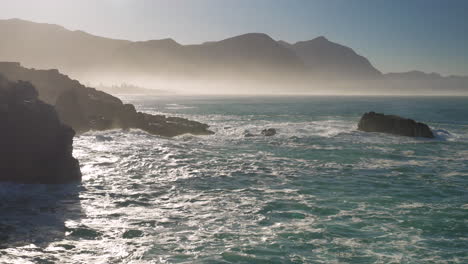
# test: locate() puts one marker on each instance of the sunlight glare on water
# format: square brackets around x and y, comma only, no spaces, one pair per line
[317,192]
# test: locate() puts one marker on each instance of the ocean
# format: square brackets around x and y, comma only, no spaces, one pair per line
[317,192]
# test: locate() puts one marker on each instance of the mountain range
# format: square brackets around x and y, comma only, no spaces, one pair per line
[248,56]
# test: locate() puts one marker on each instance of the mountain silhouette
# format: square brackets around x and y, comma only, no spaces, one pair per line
[326,59]
[248,50]
[51,46]
[248,57]
[252,53]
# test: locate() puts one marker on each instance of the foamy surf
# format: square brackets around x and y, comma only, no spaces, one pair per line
[318,191]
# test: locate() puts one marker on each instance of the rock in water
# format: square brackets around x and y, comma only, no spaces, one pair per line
[35,146]
[269,132]
[375,122]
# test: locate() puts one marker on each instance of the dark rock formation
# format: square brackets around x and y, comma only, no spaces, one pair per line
[269,132]
[35,146]
[265,132]
[169,126]
[85,108]
[375,122]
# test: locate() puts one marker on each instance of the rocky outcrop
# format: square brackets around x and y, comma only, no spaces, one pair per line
[35,146]
[85,108]
[265,132]
[375,122]
[268,132]
[170,126]
[88,109]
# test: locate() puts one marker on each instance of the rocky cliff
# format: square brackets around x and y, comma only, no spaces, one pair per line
[85,108]
[35,146]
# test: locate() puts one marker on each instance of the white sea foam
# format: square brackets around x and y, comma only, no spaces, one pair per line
[411,205]
[178,107]
[315,192]
[442,134]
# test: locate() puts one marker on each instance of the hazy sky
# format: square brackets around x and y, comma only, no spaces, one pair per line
[396,35]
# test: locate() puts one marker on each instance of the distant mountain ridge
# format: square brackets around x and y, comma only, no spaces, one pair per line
[48,46]
[248,57]
[330,60]
[52,46]
[419,75]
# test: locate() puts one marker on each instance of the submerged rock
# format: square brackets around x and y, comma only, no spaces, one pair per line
[265,132]
[86,109]
[103,138]
[375,122]
[35,146]
[269,132]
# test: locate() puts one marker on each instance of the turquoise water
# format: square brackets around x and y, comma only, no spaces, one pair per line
[317,192]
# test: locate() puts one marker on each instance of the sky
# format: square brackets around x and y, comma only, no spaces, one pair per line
[395,35]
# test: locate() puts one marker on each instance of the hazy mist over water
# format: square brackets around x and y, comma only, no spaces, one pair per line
[242,87]
[252,63]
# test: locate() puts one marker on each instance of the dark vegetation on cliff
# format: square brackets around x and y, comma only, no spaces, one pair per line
[85,108]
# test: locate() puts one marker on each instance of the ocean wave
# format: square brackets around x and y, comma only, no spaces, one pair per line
[317,192]
[178,107]
[327,128]
[444,135]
